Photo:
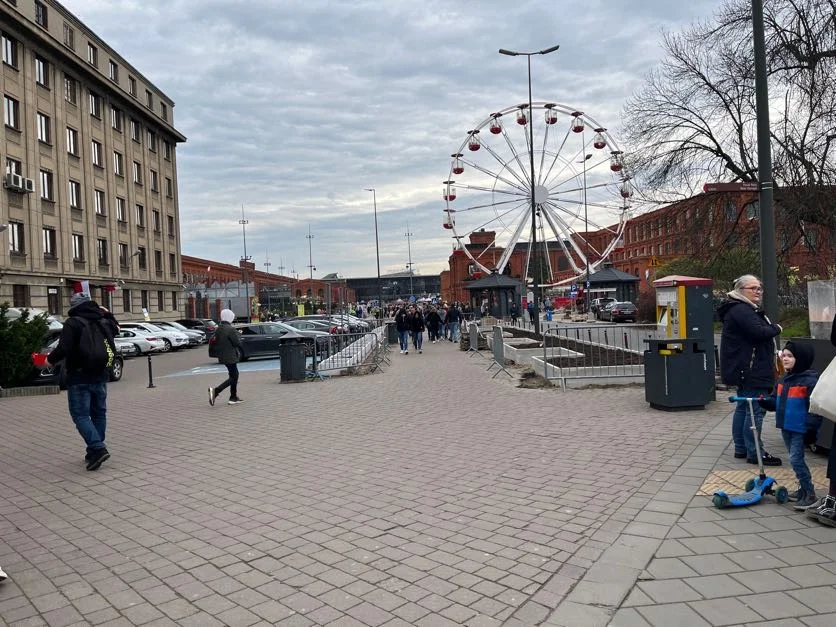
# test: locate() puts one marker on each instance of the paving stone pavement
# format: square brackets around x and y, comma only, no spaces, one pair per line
[430,494]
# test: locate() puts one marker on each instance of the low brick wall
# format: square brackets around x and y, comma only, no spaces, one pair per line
[35,390]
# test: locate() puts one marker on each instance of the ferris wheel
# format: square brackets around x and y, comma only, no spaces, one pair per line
[580,192]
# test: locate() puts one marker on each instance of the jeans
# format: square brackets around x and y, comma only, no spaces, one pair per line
[795,447]
[418,339]
[403,339]
[231,381]
[744,439]
[88,408]
[454,331]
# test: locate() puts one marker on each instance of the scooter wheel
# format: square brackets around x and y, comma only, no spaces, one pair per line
[750,484]
[782,495]
[720,501]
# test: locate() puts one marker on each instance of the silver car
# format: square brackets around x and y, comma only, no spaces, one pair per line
[143,341]
[196,337]
[172,339]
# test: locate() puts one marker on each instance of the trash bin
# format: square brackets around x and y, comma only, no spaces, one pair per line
[391,332]
[292,354]
[678,374]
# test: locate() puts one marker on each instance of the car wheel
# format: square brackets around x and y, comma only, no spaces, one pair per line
[138,349]
[116,370]
[166,345]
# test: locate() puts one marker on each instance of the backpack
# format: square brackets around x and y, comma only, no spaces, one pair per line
[95,348]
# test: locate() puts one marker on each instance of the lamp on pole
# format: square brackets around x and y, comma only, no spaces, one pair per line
[311,267]
[535,281]
[586,158]
[408,235]
[377,252]
[246,259]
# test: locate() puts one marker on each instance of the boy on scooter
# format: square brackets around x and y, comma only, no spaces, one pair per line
[791,404]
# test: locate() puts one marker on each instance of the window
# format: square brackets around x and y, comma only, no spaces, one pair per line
[17,243]
[167,151]
[97,153]
[92,55]
[9,50]
[730,211]
[169,188]
[149,99]
[74,189]
[123,255]
[137,173]
[164,111]
[101,252]
[72,141]
[113,71]
[143,299]
[132,86]
[13,166]
[50,243]
[43,123]
[100,202]
[41,18]
[170,220]
[47,190]
[136,131]
[143,258]
[11,112]
[78,247]
[126,299]
[158,262]
[70,89]
[20,296]
[152,141]
[121,213]
[69,36]
[172,265]
[157,221]
[95,105]
[753,210]
[118,164]
[140,216]
[160,301]
[42,72]
[155,181]
[116,119]
[173,300]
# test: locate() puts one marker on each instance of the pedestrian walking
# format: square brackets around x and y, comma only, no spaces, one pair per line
[87,349]
[454,319]
[402,326]
[747,361]
[515,313]
[416,328]
[433,321]
[227,345]
[442,316]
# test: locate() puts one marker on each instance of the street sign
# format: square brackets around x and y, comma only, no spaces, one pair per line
[654,262]
[730,187]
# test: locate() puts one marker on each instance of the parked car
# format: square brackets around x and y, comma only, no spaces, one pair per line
[172,339]
[142,340]
[598,304]
[620,312]
[262,339]
[54,324]
[206,325]
[196,336]
[49,376]
[341,326]
[312,325]
[125,347]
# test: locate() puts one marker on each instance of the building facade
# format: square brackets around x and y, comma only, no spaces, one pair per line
[88,150]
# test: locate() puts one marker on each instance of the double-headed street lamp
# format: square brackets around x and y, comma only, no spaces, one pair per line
[408,236]
[377,252]
[534,286]
[586,158]
[244,222]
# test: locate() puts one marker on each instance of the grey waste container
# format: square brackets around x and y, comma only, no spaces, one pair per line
[293,358]
[678,374]
[391,332]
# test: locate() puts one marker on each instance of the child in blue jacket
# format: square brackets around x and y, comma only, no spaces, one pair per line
[791,404]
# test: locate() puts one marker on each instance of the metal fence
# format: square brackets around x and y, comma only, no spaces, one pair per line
[350,351]
[594,351]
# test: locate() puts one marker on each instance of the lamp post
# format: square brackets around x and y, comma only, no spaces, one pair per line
[311,267]
[408,235]
[246,259]
[586,158]
[377,252]
[535,281]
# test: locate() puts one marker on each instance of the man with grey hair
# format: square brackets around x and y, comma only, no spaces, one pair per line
[747,361]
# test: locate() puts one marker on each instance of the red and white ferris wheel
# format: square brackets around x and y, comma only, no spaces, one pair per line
[580,185]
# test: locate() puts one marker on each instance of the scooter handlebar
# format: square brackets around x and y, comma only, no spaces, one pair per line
[735,399]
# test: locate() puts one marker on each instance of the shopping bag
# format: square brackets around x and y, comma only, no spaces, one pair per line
[823,398]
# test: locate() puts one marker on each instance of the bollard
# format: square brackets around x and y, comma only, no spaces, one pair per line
[150,374]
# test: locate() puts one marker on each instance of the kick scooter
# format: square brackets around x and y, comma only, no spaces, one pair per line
[756,487]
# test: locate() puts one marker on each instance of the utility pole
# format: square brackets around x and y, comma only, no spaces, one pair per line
[311,267]
[408,235]
[244,222]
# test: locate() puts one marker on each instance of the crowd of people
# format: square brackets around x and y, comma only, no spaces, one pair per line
[442,322]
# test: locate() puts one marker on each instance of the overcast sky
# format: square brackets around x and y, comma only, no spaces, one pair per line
[292,107]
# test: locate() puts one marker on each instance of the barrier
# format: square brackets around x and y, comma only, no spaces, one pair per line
[345,351]
[498,352]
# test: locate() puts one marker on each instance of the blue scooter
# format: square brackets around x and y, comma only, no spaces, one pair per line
[756,487]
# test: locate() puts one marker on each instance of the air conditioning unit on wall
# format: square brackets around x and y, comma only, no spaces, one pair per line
[29,185]
[14,182]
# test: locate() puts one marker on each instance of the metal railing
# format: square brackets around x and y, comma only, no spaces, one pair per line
[594,351]
[350,351]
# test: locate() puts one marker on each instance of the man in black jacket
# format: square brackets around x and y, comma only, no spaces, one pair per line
[747,361]
[86,383]
[227,344]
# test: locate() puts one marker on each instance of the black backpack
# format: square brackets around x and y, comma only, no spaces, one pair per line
[95,348]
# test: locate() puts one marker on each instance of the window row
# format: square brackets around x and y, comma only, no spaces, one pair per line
[21,298]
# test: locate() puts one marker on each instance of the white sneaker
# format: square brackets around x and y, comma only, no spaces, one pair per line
[3,576]
[401,352]
[420,351]
[406,352]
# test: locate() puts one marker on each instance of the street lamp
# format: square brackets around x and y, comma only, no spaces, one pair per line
[586,158]
[377,252]
[534,286]
[244,222]
[408,235]
[311,267]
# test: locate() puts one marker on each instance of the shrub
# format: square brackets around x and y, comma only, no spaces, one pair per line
[19,338]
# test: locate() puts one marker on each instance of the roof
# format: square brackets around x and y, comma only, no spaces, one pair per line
[610,275]
[494,280]
[678,279]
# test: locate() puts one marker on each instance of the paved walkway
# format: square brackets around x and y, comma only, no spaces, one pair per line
[429,495]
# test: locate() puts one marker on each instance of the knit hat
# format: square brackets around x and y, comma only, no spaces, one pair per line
[227,315]
[78,298]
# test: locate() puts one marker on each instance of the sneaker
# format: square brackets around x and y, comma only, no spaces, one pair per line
[97,458]
[420,351]
[768,460]
[212,396]
[805,501]
[406,352]
[3,576]
[793,496]
[740,455]
[825,503]
[826,513]
[401,352]
[235,401]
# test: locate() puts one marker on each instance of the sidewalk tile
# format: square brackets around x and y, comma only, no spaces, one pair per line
[728,611]
[670,614]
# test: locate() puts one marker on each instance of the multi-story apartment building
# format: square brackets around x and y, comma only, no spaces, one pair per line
[89,170]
